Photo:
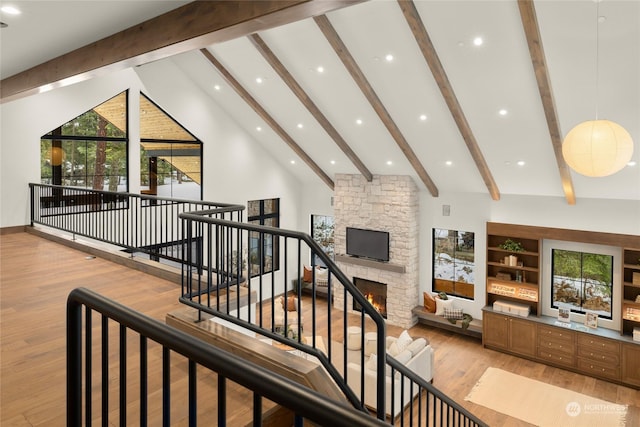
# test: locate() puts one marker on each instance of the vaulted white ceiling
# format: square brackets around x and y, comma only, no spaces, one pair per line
[497,75]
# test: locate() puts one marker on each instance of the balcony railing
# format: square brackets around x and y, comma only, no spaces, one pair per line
[219,253]
[205,287]
[137,223]
[142,343]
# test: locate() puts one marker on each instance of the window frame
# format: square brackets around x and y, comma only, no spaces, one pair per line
[582,310]
[263,243]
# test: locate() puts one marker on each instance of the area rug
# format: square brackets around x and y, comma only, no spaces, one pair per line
[543,404]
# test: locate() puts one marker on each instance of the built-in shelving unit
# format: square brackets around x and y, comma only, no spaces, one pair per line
[630,290]
[513,275]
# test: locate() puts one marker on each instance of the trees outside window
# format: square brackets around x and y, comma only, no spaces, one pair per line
[264,248]
[582,282]
[89,151]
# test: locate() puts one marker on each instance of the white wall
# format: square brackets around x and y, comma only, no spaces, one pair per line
[236,168]
[24,121]
[470,212]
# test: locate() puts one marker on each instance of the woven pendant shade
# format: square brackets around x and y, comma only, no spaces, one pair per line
[597,148]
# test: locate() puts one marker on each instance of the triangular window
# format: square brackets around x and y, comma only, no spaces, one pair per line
[170,156]
[89,151]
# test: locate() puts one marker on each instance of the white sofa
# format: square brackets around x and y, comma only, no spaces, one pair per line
[417,356]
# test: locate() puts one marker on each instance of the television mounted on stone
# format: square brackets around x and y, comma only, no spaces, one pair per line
[370,244]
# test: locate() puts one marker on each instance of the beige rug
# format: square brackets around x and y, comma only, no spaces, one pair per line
[543,404]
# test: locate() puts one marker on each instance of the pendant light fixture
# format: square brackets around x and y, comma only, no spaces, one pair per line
[597,148]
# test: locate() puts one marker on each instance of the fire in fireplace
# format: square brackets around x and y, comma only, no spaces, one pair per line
[374,292]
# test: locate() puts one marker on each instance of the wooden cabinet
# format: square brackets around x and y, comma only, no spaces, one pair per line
[599,357]
[513,275]
[509,333]
[630,290]
[557,345]
[631,364]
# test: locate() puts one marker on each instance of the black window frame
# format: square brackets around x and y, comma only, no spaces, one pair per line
[264,242]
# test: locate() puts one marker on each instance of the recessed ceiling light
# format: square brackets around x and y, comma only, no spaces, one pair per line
[300,126]
[632,163]
[258,128]
[503,112]
[448,163]
[423,117]
[259,80]
[388,57]
[478,41]
[293,162]
[217,87]
[320,69]
[389,162]
[521,163]
[333,162]
[359,121]
[11,10]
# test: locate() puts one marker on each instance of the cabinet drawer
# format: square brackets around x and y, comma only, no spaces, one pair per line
[556,334]
[599,344]
[589,367]
[556,357]
[611,359]
[556,346]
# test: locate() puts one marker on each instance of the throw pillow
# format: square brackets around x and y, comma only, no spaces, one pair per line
[322,274]
[393,349]
[441,304]
[417,345]
[404,340]
[307,274]
[453,313]
[429,302]
[291,303]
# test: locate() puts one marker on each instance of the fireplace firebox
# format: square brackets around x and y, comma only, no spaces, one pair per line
[374,292]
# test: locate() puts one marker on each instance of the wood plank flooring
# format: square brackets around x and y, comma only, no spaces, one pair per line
[36,275]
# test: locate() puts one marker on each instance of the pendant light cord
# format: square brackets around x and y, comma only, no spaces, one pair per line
[597,55]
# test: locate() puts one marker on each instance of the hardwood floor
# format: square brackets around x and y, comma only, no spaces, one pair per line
[36,276]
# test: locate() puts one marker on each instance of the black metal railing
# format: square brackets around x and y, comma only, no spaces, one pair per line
[256,307]
[143,365]
[137,223]
[218,253]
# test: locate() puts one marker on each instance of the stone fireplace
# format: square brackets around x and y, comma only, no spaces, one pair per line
[388,203]
[374,292]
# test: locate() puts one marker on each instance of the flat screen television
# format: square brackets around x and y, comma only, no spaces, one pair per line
[368,244]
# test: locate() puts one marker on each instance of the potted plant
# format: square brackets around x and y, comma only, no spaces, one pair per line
[511,246]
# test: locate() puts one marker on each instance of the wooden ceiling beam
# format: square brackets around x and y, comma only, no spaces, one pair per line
[358,76]
[433,61]
[539,62]
[304,98]
[255,105]
[192,26]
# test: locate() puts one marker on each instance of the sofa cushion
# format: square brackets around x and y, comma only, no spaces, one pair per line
[417,345]
[453,313]
[404,340]
[441,304]
[404,357]
[393,349]
[429,302]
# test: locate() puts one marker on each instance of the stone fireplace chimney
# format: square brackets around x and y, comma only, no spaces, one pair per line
[388,203]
